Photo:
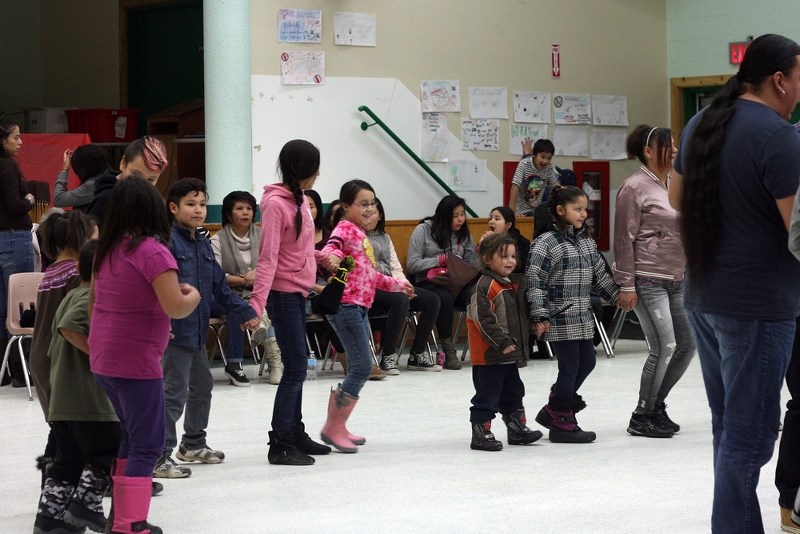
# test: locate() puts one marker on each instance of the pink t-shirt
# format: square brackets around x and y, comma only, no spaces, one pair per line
[129,330]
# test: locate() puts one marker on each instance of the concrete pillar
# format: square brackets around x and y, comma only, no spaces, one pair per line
[226,45]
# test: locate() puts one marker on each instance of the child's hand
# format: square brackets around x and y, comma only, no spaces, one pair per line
[409,290]
[67,157]
[627,300]
[510,348]
[252,324]
[333,263]
[541,328]
[486,234]
[527,146]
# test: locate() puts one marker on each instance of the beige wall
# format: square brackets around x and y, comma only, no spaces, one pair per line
[610,47]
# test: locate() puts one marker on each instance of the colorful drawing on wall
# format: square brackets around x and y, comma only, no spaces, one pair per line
[488,102]
[299,26]
[572,108]
[520,131]
[440,95]
[302,68]
[532,106]
[610,110]
[435,137]
[354,29]
[480,134]
[467,175]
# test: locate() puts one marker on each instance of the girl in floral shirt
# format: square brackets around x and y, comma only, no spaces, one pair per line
[351,322]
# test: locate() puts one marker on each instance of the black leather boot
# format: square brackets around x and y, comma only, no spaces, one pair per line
[305,444]
[283,451]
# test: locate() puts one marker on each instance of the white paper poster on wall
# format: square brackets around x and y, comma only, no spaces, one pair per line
[303,68]
[608,143]
[531,106]
[610,110]
[435,137]
[354,29]
[440,95]
[520,131]
[480,134]
[467,175]
[299,26]
[572,108]
[488,102]
[571,140]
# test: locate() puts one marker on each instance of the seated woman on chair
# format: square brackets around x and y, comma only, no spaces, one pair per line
[397,305]
[445,231]
[236,250]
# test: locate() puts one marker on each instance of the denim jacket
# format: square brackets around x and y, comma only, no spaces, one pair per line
[198,267]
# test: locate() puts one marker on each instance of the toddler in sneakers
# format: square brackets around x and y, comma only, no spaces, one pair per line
[497,329]
[185,360]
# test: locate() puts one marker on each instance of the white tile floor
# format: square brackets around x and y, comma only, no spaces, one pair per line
[416,473]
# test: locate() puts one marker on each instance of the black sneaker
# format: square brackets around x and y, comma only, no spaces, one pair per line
[422,362]
[644,424]
[662,419]
[236,376]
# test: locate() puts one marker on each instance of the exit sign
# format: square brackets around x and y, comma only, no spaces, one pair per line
[736,52]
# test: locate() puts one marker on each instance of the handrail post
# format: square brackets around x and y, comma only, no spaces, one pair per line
[408,151]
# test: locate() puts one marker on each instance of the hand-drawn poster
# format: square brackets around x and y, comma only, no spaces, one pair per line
[440,95]
[608,143]
[520,131]
[572,108]
[571,140]
[610,110]
[435,137]
[299,26]
[354,29]
[467,175]
[480,134]
[488,102]
[302,68]
[531,106]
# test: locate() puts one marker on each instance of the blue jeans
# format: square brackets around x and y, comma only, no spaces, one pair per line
[744,363]
[352,326]
[288,314]
[669,337]
[16,256]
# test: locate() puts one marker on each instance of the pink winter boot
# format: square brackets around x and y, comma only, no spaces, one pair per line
[131,497]
[340,406]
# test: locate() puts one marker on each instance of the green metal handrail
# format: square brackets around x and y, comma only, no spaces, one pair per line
[410,152]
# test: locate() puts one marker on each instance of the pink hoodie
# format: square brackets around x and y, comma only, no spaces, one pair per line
[286,262]
[347,239]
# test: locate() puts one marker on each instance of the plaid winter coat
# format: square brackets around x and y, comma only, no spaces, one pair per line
[563,269]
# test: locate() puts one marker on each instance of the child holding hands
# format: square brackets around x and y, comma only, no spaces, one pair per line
[351,323]
[497,330]
[564,268]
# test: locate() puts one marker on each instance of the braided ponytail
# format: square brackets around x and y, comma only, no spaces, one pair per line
[298,161]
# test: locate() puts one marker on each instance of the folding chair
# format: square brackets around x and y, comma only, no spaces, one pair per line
[215,327]
[23,288]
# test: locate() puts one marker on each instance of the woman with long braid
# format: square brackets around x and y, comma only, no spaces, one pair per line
[738,169]
[285,272]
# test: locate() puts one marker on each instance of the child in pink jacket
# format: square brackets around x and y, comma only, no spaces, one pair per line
[350,322]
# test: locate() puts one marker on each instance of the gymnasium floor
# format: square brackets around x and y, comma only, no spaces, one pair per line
[417,473]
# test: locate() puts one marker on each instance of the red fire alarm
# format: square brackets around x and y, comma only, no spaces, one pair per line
[736,52]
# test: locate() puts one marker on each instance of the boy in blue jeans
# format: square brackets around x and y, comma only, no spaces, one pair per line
[187,376]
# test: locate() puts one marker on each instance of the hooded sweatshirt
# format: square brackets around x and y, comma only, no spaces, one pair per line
[286,262]
[103,186]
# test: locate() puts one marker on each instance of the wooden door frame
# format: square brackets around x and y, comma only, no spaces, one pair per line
[676,87]
[124,6]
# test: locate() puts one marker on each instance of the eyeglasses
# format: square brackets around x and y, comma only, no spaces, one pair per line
[364,205]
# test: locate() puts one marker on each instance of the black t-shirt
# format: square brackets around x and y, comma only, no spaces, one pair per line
[753,275]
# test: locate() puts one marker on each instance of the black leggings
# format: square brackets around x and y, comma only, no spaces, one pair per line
[83,442]
[444,322]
